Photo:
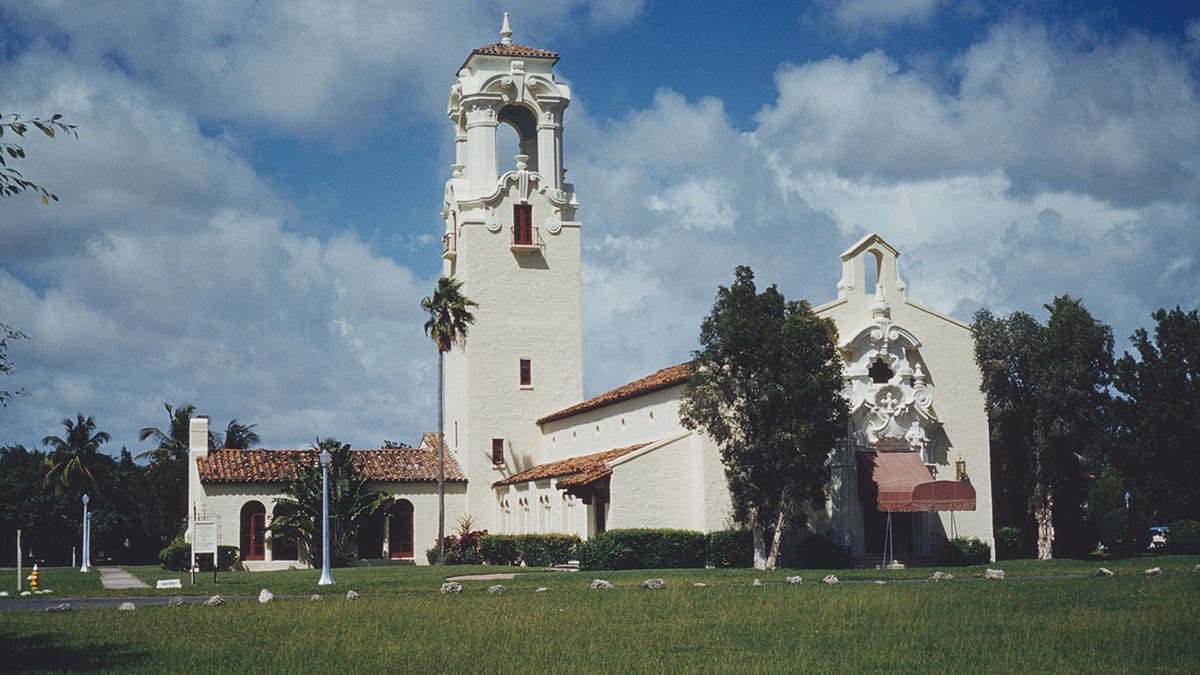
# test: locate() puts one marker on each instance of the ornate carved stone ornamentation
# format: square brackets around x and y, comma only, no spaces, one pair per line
[891,402]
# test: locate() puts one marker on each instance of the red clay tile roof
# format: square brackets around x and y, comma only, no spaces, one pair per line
[501,49]
[573,472]
[407,465]
[667,377]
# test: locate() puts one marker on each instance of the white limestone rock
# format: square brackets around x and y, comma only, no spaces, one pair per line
[700,584]
[830,579]
[795,580]
[542,589]
[126,607]
[756,582]
[265,596]
[215,601]
[64,607]
[351,595]
[1104,572]
[654,584]
[175,601]
[993,574]
[496,588]
[602,585]
[940,576]
[1196,569]
[26,594]
[316,597]
[451,587]
[880,582]
[1153,572]
[3,594]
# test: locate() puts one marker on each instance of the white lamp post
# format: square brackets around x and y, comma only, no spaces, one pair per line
[326,577]
[87,537]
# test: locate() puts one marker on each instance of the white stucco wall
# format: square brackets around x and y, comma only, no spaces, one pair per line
[643,419]
[677,483]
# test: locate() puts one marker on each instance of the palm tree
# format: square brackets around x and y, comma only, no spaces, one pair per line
[173,443]
[351,503]
[449,316]
[72,458]
[240,436]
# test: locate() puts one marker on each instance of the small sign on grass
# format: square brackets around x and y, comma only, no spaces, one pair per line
[169,583]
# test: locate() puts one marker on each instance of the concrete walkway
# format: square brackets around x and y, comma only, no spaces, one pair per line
[115,577]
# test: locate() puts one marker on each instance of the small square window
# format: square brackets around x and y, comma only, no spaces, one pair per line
[497,451]
[526,373]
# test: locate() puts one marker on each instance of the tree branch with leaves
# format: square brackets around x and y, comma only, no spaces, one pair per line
[12,181]
[766,387]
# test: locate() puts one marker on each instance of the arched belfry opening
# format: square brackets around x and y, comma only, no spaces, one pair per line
[524,122]
[870,266]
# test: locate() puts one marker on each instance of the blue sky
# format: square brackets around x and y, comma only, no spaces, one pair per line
[249,217]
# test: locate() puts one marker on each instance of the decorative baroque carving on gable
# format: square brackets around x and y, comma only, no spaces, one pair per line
[891,403]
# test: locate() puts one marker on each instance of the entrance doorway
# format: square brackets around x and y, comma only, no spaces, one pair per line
[400,529]
[254,531]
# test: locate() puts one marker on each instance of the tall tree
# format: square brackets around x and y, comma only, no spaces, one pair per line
[1048,405]
[351,504]
[766,387]
[1158,413]
[6,366]
[240,436]
[12,182]
[163,512]
[449,318]
[73,458]
[172,443]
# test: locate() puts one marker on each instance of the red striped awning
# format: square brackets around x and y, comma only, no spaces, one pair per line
[905,485]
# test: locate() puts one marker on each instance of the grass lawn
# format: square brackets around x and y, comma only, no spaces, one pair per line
[1125,623]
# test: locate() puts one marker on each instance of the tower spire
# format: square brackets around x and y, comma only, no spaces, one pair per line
[505,32]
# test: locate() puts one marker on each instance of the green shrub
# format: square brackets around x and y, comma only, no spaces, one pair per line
[499,549]
[1184,537]
[730,548]
[544,550]
[1010,541]
[1120,539]
[969,551]
[532,550]
[643,549]
[177,557]
[605,553]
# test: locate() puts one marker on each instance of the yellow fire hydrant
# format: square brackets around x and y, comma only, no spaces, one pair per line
[33,579]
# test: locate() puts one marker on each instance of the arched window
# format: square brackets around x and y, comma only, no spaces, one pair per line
[283,549]
[872,264]
[400,529]
[254,531]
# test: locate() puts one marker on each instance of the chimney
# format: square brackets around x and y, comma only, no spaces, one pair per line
[198,436]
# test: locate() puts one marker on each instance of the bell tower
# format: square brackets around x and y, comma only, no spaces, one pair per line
[511,238]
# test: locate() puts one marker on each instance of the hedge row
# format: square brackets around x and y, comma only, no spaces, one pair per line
[531,550]
[657,549]
[643,549]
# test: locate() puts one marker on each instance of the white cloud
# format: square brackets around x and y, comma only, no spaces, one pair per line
[302,66]
[1120,120]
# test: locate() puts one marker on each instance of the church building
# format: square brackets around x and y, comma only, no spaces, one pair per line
[526,453]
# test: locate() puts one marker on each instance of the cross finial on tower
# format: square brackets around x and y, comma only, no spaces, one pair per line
[505,32]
